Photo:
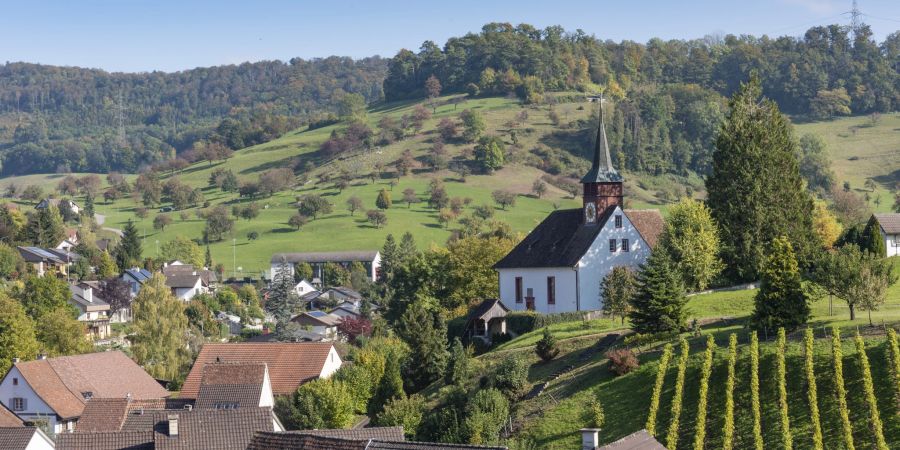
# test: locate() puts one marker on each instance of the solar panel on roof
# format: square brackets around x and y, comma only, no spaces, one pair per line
[317,313]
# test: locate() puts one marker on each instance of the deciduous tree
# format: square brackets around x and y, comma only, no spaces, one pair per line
[691,237]
[780,301]
[160,331]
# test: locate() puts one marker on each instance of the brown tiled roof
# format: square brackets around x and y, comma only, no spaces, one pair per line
[649,223]
[324,257]
[293,441]
[324,319]
[9,418]
[238,383]
[140,440]
[290,363]
[202,429]
[393,445]
[61,382]
[16,438]
[639,440]
[379,433]
[102,414]
[889,222]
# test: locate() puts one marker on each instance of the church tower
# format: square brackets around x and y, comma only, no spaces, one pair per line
[602,184]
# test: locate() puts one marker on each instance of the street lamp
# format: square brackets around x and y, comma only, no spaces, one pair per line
[233,258]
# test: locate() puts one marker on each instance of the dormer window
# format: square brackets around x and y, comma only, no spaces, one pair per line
[87,395]
[618,221]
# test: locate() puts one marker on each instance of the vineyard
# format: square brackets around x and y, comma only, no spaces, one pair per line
[809,390]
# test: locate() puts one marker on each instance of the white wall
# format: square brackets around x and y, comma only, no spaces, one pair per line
[332,364]
[376,264]
[536,279]
[598,261]
[35,407]
[40,441]
[891,243]
[266,398]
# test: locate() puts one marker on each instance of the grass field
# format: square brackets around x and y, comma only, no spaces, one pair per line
[341,231]
[861,150]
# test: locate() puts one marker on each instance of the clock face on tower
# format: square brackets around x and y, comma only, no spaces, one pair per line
[590,213]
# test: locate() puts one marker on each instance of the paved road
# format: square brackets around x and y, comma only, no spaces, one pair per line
[101,219]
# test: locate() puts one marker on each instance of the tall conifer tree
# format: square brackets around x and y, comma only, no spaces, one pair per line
[755,190]
[780,301]
[128,252]
[160,330]
[659,305]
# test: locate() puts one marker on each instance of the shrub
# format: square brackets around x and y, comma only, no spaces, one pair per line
[781,374]
[596,416]
[657,388]
[672,436]
[546,348]
[869,387]
[754,392]
[728,429]
[622,361]
[706,371]
[511,376]
[406,412]
[840,390]
[811,386]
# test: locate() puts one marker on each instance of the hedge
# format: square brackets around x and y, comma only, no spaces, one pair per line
[869,387]
[521,322]
[787,439]
[811,389]
[754,392]
[672,436]
[728,432]
[700,429]
[894,362]
[840,390]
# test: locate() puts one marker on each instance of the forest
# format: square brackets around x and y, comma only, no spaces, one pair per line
[61,119]
[668,97]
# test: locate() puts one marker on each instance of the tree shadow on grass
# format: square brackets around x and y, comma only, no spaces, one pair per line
[284,230]
[433,225]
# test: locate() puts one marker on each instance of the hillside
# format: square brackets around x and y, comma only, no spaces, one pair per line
[341,231]
[552,420]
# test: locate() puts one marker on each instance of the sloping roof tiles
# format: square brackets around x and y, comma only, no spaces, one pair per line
[640,440]
[240,384]
[559,241]
[9,418]
[16,438]
[289,363]
[889,222]
[648,222]
[62,382]
[323,257]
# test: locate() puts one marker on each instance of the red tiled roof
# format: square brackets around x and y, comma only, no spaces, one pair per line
[290,364]
[240,384]
[102,414]
[890,222]
[135,440]
[9,418]
[649,223]
[16,438]
[61,382]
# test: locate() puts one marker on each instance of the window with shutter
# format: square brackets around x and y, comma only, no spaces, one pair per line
[612,245]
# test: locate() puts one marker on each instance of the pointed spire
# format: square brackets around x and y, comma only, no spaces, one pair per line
[602,169]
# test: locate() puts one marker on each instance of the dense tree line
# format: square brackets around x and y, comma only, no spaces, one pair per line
[829,70]
[66,118]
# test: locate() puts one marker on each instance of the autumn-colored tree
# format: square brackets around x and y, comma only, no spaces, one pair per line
[691,237]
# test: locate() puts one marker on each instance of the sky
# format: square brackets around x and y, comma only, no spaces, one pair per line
[167,35]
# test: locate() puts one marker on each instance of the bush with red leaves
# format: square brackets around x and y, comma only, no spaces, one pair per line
[622,361]
[351,328]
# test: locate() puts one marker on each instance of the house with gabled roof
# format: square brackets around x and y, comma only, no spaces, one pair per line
[890,231]
[319,322]
[559,265]
[50,261]
[136,277]
[55,390]
[370,260]
[93,311]
[289,364]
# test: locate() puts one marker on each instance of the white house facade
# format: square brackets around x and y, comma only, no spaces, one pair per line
[23,400]
[559,265]
[890,231]
[370,260]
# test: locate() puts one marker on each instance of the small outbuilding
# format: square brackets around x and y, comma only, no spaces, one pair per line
[486,320]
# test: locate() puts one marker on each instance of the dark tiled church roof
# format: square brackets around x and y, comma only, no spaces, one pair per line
[559,241]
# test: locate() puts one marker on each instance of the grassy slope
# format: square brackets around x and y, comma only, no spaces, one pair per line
[875,151]
[340,231]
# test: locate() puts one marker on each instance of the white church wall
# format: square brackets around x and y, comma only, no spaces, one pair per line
[536,280]
[598,260]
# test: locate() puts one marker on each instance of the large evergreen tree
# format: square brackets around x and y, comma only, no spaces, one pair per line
[780,301]
[282,296]
[45,227]
[128,252]
[659,305]
[160,331]
[756,192]
[426,334]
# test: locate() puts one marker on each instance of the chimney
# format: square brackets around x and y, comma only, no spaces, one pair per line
[16,360]
[173,425]
[89,294]
[590,438]
[41,356]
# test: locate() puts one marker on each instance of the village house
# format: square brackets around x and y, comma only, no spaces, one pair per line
[289,364]
[65,206]
[136,277]
[319,322]
[559,265]
[93,311]
[48,261]
[69,242]
[370,260]
[303,288]
[24,438]
[890,231]
[55,390]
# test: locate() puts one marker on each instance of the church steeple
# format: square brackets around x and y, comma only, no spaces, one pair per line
[602,184]
[602,170]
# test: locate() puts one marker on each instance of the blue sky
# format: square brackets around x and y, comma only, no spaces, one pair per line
[142,35]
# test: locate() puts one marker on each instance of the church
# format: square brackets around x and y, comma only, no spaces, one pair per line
[559,265]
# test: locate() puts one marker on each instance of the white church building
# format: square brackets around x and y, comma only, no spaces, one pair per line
[559,265]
